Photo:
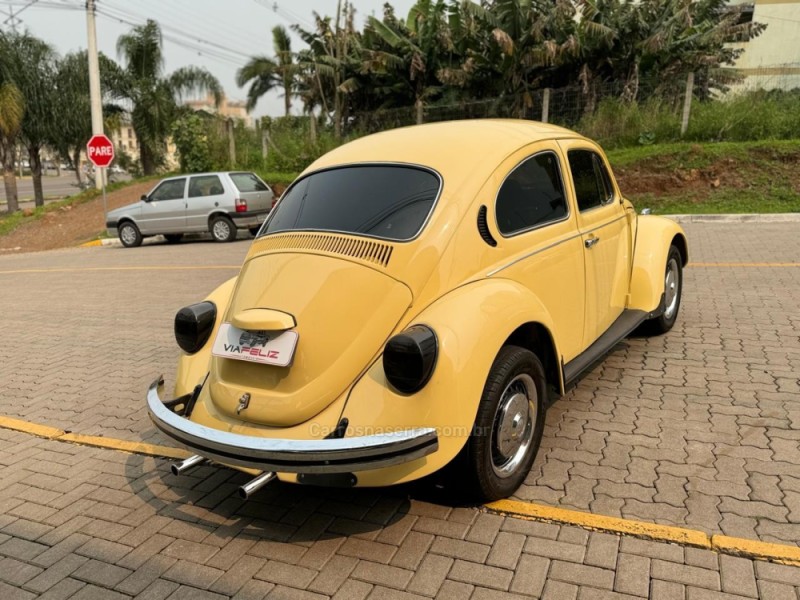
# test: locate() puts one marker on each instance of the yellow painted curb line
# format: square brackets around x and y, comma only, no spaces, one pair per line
[722,544]
[652,531]
[91,244]
[59,435]
[117,269]
[743,264]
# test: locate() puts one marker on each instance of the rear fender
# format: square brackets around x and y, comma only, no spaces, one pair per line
[654,236]
[471,324]
[192,368]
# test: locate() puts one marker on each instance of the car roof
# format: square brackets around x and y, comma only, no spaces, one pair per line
[453,148]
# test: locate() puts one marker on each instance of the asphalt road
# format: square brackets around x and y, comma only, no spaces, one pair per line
[55,187]
[699,428]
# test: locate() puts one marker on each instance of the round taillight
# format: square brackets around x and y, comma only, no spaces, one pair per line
[194,324]
[409,358]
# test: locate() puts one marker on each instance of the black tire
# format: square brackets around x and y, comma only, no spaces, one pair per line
[173,238]
[222,229]
[129,234]
[254,230]
[665,321]
[487,474]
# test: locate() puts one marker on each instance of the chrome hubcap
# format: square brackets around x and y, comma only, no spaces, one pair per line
[128,235]
[221,230]
[671,288]
[514,423]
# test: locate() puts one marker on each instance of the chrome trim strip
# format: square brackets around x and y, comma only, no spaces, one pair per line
[344,455]
[553,245]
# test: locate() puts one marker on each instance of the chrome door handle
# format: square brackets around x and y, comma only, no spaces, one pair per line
[591,241]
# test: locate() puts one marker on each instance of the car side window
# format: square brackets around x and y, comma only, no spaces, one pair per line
[205,185]
[169,190]
[592,181]
[531,195]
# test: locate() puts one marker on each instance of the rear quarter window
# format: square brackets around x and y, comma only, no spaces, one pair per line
[248,182]
[390,202]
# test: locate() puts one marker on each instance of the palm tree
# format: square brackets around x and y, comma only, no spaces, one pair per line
[154,97]
[31,65]
[12,111]
[265,74]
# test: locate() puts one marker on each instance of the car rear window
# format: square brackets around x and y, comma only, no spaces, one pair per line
[247,182]
[391,202]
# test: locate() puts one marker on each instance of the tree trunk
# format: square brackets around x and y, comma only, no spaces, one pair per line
[36,175]
[9,177]
[631,90]
[287,98]
[147,160]
[76,163]
[312,127]
[420,111]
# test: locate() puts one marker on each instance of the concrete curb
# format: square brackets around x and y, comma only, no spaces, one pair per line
[742,218]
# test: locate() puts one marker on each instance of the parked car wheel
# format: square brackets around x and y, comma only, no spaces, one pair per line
[129,235]
[673,287]
[223,229]
[254,231]
[508,428]
[173,238]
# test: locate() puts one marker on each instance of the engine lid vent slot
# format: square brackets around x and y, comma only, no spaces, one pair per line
[371,251]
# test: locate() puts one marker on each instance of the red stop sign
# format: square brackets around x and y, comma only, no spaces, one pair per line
[100,151]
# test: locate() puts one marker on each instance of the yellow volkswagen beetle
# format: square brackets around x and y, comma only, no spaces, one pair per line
[413,303]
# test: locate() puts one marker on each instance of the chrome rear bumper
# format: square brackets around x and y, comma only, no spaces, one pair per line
[344,455]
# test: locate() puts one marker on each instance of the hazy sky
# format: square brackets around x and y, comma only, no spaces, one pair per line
[219,35]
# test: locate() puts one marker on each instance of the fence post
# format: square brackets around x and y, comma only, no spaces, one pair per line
[231,143]
[545,105]
[687,102]
[264,145]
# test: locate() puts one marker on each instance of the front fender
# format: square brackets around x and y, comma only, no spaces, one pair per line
[471,323]
[654,236]
[192,368]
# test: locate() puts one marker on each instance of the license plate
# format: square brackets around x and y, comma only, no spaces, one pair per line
[266,347]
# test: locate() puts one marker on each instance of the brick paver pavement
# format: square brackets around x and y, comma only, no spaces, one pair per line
[85,523]
[698,428]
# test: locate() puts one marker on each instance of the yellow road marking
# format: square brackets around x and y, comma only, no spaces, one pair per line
[54,433]
[92,244]
[744,264]
[116,269]
[752,549]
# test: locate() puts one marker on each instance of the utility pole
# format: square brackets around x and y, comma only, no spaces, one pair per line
[94,85]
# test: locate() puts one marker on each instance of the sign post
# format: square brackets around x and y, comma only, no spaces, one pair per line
[100,151]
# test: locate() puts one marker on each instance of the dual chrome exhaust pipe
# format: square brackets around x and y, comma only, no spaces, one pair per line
[244,492]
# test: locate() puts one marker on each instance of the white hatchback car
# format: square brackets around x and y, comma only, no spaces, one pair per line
[219,203]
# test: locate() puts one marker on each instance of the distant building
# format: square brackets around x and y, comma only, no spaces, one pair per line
[124,140]
[235,109]
[772,60]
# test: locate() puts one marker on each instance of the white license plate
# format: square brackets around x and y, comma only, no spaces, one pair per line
[267,347]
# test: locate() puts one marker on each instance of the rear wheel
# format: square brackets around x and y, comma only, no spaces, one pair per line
[508,427]
[673,287]
[223,229]
[173,238]
[129,235]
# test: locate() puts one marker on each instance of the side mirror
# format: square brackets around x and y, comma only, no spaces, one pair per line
[144,198]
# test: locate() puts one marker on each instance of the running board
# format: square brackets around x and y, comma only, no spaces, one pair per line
[628,321]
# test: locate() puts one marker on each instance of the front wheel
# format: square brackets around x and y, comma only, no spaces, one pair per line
[508,427]
[673,287]
[129,235]
[223,229]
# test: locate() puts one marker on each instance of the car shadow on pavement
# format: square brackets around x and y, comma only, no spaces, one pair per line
[206,500]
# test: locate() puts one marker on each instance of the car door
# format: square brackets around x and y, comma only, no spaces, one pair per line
[540,239]
[603,227]
[206,193]
[164,210]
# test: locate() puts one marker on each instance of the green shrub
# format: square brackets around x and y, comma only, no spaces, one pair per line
[616,123]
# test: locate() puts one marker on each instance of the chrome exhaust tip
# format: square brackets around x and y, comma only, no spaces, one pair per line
[251,487]
[179,468]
